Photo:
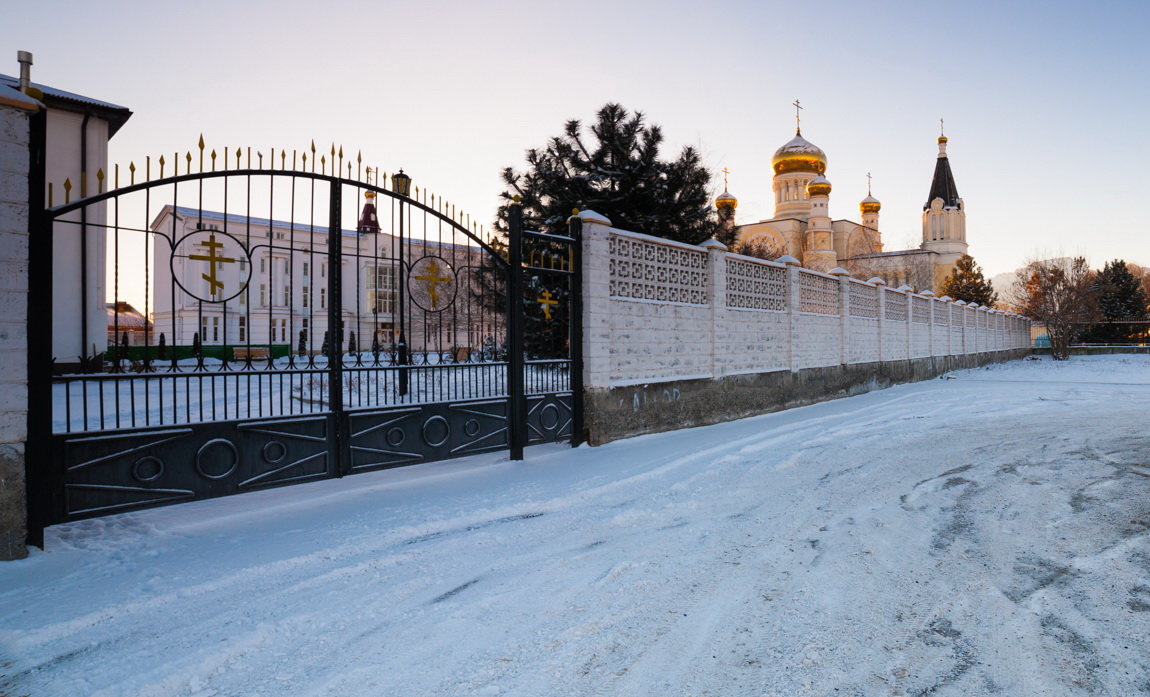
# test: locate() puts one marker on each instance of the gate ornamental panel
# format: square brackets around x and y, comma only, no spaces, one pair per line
[285,319]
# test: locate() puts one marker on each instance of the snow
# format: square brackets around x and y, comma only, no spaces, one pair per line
[985,533]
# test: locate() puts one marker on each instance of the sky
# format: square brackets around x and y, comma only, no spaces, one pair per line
[1044,103]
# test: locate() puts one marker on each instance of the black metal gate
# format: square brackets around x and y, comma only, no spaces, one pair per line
[283,319]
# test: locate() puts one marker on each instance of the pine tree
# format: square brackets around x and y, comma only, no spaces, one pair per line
[967,283]
[162,350]
[615,171]
[1120,299]
[301,348]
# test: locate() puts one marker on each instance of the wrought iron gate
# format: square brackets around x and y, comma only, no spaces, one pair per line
[283,319]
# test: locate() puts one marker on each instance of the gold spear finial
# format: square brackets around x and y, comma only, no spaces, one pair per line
[213,159]
[100,180]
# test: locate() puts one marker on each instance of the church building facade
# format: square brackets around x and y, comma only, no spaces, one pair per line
[802,227]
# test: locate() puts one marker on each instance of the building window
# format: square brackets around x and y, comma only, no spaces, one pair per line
[286,292]
[243,328]
[305,268]
[382,284]
[322,298]
[263,264]
[306,296]
[263,295]
[215,329]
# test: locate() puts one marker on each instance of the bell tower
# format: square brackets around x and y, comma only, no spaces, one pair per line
[944,217]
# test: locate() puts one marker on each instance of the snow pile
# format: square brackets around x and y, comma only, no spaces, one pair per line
[981,535]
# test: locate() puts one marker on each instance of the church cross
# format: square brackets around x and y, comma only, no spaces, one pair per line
[725,173]
[546,301]
[798,125]
[941,128]
[215,285]
[868,184]
[432,279]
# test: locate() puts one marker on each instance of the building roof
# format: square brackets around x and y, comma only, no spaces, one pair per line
[942,186]
[237,219]
[121,314]
[897,253]
[114,114]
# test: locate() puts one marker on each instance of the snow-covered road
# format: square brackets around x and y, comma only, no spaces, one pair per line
[986,533]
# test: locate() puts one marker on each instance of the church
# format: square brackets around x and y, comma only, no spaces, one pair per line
[802,226]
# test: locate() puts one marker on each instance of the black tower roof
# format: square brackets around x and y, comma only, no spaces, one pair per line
[943,184]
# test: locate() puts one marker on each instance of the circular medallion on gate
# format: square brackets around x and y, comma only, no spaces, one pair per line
[395,437]
[210,265]
[549,417]
[217,458]
[471,428]
[148,468]
[431,283]
[436,431]
[274,451]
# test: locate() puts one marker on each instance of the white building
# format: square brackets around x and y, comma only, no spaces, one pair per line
[78,131]
[244,281]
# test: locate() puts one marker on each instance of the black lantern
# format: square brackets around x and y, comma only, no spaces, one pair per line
[401,183]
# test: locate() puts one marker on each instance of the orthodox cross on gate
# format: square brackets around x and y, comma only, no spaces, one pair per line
[433,279]
[215,285]
[798,129]
[545,301]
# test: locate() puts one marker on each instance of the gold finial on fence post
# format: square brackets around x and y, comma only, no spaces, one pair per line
[67,191]
[201,146]
[213,159]
[100,180]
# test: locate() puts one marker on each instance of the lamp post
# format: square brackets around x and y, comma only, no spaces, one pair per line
[401,185]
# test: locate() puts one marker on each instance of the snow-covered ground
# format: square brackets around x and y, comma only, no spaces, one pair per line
[982,534]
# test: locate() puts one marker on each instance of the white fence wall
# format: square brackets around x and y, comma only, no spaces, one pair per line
[658,310]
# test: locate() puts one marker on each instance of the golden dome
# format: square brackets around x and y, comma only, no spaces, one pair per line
[819,186]
[799,155]
[870,204]
[726,199]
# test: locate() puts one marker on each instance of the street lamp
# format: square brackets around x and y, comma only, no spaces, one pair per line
[401,185]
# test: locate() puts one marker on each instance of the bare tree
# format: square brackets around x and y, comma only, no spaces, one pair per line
[760,248]
[1058,293]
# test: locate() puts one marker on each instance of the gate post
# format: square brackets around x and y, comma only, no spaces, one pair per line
[339,443]
[575,330]
[40,467]
[516,406]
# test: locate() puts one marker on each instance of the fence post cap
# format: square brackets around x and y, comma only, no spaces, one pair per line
[788,259]
[590,216]
[839,271]
[877,281]
[712,243]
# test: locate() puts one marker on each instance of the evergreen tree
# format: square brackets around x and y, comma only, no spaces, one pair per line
[301,349]
[1120,299]
[615,171]
[967,283]
[352,346]
[162,351]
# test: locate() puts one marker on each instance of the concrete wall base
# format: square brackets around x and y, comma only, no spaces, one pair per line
[621,412]
[13,519]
